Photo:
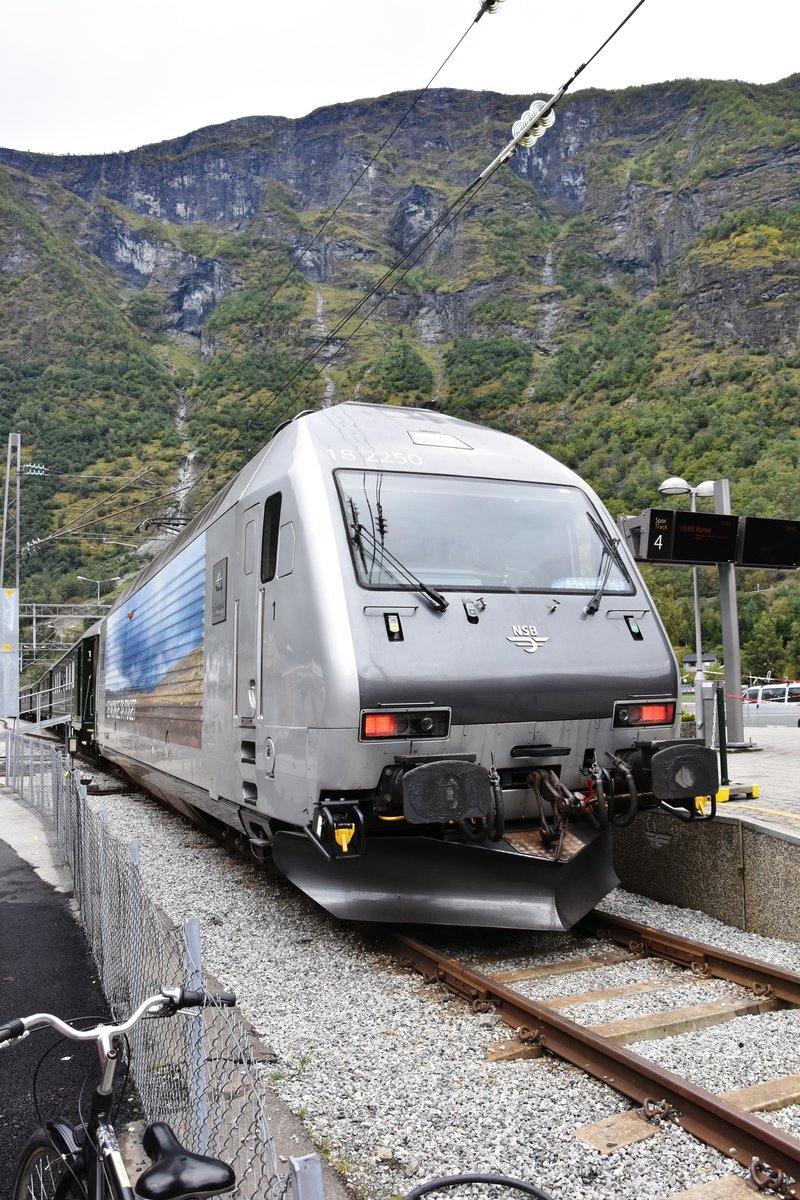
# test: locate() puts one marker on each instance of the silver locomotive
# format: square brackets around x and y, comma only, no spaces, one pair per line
[409,658]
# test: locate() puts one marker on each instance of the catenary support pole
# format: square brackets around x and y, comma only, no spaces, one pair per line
[729,613]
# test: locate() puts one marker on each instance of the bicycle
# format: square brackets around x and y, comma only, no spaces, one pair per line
[63,1161]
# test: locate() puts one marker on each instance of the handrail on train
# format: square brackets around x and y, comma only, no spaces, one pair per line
[33,701]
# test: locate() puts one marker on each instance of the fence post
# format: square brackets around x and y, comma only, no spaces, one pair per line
[47,780]
[305,1173]
[58,806]
[75,841]
[135,932]
[55,765]
[106,957]
[42,797]
[195,1031]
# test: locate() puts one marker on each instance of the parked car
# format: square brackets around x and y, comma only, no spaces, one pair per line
[772,704]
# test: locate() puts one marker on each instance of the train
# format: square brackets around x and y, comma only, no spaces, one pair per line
[409,659]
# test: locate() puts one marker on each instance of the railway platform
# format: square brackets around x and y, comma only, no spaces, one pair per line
[744,867]
[770,767]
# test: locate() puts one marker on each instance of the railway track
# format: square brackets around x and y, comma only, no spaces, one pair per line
[495,981]
[601,1048]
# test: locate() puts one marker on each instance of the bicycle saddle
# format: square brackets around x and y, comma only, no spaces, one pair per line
[175,1172]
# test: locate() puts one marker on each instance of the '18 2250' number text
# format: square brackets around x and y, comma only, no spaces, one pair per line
[379,457]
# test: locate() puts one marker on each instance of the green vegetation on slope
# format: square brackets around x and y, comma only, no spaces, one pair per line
[592,321]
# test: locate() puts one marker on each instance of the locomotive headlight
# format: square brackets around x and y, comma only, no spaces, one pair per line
[629,715]
[405,723]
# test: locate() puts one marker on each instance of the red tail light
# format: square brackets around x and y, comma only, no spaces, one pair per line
[658,714]
[380,725]
[647,712]
[405,723]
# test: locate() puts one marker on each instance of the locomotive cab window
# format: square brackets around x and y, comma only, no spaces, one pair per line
[269,540]
[467,534]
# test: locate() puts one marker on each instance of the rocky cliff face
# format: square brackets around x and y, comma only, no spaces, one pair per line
[258,236]
[585,166]
[604,161]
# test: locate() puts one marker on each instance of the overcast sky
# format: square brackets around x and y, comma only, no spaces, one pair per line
[96,75]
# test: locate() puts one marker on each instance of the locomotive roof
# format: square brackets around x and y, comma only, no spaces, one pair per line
[385,424]
[363,426]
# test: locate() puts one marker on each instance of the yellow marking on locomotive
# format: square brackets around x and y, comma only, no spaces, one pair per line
[344,835]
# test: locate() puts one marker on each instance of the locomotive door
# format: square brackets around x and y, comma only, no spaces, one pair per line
[248,617]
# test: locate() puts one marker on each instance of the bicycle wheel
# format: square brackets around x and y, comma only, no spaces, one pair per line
[43,1175]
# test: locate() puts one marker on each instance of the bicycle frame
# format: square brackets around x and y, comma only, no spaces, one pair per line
[104,1162]
[97,1160]
[97,1155]
[90,1151]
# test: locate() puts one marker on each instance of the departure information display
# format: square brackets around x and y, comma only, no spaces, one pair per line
[663,535]
[769,543]
[681,537]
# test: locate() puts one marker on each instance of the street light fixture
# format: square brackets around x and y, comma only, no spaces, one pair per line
[675,486]
[108,579]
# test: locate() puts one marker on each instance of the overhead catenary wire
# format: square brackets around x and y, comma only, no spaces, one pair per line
[486,6]
[543,112]
[71,526]
[450,215]
[219,362]
[75,526]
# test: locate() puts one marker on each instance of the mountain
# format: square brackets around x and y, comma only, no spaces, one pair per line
[624,293]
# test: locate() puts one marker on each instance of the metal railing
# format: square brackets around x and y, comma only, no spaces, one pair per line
[203,1074]
[47,706]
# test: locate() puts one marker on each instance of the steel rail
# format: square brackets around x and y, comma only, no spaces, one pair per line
[762,978]
[768,1152]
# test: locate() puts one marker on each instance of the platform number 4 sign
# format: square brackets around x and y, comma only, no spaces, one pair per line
[659,534]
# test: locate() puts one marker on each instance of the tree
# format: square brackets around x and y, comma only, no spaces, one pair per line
[400,370]
[764,653]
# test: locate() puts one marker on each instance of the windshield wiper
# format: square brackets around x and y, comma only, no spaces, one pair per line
[361,535]
[610,556]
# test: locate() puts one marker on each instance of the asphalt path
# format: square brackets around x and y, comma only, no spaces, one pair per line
[44,962]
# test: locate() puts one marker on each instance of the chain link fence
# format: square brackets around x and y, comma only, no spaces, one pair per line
[200,1071]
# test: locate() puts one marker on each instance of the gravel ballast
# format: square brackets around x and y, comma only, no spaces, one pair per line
[390,1075]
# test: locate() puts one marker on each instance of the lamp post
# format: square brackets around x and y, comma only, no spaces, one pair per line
[675,486]
[108,579]
[729,616]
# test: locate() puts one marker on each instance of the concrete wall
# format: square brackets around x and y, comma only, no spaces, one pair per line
[730,868]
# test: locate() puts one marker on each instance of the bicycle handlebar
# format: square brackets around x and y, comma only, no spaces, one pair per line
[164,1004]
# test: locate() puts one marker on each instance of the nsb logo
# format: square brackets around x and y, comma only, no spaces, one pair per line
[526,637]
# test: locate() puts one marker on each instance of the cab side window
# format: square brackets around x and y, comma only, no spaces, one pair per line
[269,541]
